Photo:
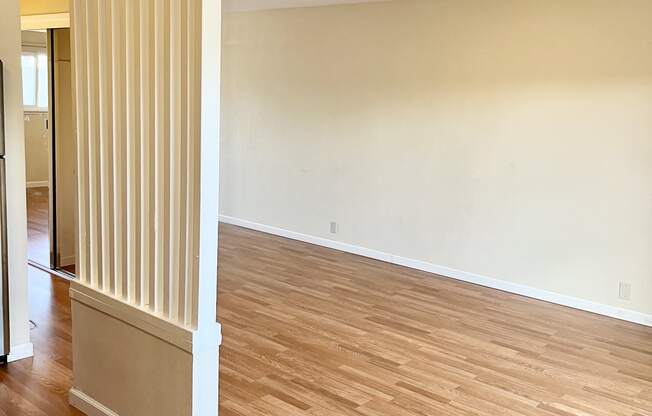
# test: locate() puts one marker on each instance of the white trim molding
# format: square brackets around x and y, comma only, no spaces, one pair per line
[88,405]
[137,317]
[528,291]
[20,352]
[45,21]
[38,184]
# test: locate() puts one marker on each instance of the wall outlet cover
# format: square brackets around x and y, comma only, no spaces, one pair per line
[625,291]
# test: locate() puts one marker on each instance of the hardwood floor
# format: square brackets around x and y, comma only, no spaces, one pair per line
[39,386]
[38,237]
[312,331]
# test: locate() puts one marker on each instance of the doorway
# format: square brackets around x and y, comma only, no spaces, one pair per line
[50,150]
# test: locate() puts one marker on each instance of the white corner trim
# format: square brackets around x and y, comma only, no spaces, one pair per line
[37,184]
[519,289]
[88,405]
[19,352]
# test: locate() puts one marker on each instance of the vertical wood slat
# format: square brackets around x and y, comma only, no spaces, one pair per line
[137,91]
[192,153]
[133,150]
[183,157]
[119,148]
[146,151]
[81,110]
[105,145]
[161,28]
[175,150]
[94,235]
[177,162]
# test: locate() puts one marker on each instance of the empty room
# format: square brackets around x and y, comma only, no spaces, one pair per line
[445,205]
[338,207]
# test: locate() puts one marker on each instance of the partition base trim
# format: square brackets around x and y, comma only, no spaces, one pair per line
[88,405]
[167,331]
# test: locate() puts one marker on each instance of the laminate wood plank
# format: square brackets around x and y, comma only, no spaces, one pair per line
[313,331]
[358,336]
[38,237]
[39,385]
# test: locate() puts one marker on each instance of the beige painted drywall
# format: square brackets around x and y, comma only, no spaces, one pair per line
[65,149]
[140,375]
[507,138]
[37,153]
[34,7]
[15,156]
[45,14]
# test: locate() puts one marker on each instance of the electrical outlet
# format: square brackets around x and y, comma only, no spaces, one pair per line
[625,291]
[333,227]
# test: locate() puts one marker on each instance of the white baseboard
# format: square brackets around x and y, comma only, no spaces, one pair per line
[545,295]
[87,404]
[20,352]
[38,184]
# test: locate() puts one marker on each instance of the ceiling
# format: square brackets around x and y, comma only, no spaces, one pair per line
[244,5]
[35,7]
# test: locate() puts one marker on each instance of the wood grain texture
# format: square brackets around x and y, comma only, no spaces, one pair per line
[313,331]
[38,236]
[39,386]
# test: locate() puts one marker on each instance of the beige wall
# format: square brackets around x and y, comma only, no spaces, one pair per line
[37,137]
[15,155]
[128,378]
[511,139]
[32,7]
[37,159]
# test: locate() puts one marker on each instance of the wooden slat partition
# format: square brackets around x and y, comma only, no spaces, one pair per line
[137,69]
